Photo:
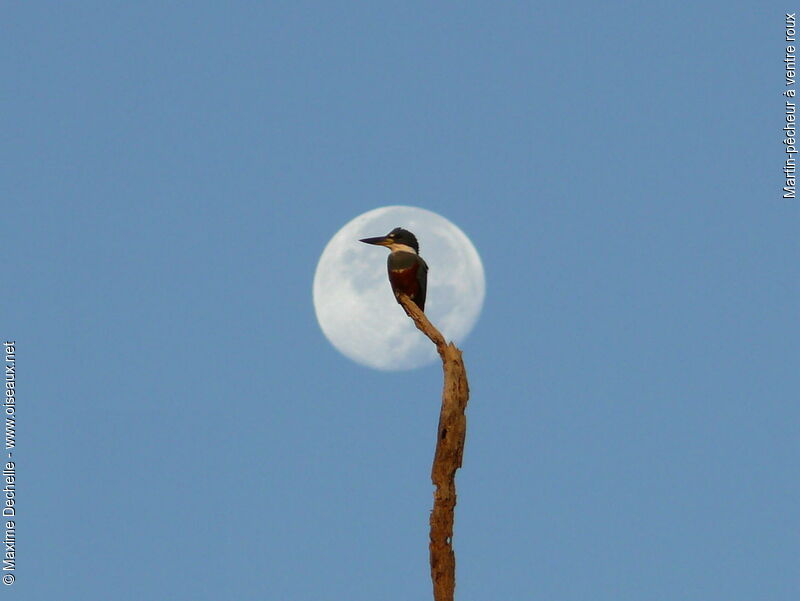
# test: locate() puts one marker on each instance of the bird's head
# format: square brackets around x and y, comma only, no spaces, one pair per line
[396,240]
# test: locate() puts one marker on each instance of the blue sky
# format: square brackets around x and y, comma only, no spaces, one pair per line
[171,173]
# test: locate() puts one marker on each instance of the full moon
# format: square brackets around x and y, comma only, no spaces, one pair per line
[353,299]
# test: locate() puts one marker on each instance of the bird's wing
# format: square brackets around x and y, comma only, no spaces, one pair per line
[422,280]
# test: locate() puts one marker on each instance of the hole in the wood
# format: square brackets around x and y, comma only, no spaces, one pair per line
[444,433]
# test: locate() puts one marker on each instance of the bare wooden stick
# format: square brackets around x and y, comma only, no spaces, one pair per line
[449,452]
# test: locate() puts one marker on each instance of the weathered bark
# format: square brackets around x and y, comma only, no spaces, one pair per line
[449,451]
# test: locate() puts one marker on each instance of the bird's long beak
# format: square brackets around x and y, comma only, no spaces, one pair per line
[380,241]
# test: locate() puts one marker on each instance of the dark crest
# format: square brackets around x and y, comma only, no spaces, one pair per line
[402,236]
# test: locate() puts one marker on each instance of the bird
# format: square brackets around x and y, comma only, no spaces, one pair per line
[408,272]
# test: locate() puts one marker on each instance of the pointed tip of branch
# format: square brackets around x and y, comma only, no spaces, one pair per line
[422,322]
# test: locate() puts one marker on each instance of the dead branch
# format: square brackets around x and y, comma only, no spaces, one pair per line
[449,451]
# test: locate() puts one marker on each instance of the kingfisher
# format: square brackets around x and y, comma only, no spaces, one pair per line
[408,273]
